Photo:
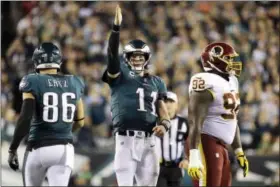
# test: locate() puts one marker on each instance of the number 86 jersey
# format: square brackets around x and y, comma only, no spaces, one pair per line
[221,119]
[55,97]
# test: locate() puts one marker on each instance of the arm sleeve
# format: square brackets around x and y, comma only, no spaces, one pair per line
[81,87]
[113,51]
[23,122]
[162,91]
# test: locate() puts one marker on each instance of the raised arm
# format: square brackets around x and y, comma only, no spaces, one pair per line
[113,70]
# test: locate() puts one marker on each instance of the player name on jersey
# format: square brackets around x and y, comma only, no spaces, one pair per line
[57,83]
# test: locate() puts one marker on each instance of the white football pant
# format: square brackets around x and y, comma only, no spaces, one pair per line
[55,162]
[135,156]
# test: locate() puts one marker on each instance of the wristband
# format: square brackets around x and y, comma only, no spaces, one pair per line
[166,124]
[194,154]
[238,150]
[79,119]
[116,28]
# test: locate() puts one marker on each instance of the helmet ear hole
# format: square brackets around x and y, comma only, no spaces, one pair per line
[147,56]
[128,55]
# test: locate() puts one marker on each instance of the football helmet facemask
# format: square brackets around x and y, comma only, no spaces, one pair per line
[133,54]
[221,57]
[47,56]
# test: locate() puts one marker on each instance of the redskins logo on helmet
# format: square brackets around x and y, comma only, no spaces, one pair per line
[221,57]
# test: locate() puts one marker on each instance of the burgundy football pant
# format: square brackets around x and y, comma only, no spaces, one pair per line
[216,162]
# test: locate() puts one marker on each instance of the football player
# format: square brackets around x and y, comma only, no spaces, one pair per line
[213,106]
[54,104]
[137,103]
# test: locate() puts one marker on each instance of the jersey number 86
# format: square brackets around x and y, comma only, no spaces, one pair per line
[51,107]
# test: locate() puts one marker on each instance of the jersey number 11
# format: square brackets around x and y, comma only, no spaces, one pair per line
[140,91]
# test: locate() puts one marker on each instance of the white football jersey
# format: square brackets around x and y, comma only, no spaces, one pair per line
[221,120]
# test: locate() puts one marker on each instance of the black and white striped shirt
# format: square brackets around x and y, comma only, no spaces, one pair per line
[170,147]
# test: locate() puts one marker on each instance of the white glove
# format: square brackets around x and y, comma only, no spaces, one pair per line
[195,169]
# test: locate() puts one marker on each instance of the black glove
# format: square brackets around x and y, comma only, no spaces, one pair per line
[13,160]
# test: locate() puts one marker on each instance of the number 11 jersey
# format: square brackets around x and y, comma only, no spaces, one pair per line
[55,97]
[134,99]
[221,119]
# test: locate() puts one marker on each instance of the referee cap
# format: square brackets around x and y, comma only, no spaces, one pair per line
[172,96]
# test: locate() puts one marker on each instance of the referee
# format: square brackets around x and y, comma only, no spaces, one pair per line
[172,147]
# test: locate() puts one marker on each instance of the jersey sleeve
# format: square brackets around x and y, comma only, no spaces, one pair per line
[162,90]
[28,84]
[80,87]
[201,82]
[114,81]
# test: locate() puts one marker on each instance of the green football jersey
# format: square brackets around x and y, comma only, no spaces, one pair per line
[55,97]
[133,99]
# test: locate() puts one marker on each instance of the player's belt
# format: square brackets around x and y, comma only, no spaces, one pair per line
[132,133]
[35,145]
[170,164]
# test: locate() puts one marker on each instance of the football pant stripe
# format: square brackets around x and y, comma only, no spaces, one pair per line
[24,166]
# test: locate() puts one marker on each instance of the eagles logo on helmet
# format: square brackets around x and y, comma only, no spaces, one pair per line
[221,57]
[47,56]
[137,47]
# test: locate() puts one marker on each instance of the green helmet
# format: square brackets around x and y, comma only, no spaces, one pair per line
[47,56]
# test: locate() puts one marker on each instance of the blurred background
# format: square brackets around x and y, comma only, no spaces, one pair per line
[177,32]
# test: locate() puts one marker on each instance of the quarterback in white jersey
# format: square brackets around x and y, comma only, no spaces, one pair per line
[213,106]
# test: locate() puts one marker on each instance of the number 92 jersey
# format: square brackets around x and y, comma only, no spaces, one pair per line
[221,119]
[55,97]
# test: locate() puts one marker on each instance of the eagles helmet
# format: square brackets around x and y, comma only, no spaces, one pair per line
[221,57]
[47,56]
[137,47]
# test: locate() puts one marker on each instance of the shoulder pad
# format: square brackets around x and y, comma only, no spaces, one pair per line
[27,83]
[200,82]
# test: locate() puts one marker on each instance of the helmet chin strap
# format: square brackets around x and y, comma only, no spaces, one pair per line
[213,66]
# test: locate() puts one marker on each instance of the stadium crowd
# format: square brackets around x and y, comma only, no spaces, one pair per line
[177,32]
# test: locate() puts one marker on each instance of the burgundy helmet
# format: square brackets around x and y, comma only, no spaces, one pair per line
[221,57]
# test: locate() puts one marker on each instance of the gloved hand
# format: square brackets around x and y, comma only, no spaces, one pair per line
[195,168]
[242,160]
[118,16]
[13,160]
